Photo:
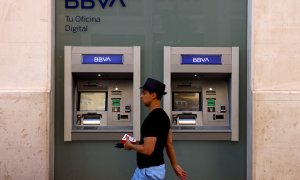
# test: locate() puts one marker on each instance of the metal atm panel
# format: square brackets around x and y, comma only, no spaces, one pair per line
[100,83]
[202,85]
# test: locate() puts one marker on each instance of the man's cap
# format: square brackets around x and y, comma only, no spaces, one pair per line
[154,85]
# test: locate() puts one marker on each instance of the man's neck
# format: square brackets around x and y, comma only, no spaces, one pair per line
[154,105]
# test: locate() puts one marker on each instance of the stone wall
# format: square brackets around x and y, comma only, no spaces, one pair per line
[275,85]
[26,90]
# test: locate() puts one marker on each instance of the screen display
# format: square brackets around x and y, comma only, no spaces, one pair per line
[186,101]
[92,101]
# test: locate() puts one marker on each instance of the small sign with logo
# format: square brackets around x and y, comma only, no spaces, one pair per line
[201,59]
[102,59]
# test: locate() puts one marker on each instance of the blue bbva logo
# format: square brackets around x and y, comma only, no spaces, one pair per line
[200,60]
[101,59]
[90,4]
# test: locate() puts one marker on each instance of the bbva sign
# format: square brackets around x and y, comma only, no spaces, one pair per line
[90,4]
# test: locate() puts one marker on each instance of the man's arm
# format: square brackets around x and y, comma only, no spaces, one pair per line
[147,148]
[172,156]
[170,149]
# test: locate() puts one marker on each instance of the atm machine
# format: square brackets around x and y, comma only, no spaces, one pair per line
[203,92]
[101,92]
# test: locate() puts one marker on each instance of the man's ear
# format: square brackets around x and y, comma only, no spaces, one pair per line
[153,95]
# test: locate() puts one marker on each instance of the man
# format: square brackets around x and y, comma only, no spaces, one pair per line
[155,136]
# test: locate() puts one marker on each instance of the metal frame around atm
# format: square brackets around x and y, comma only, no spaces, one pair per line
[232,67]
[130,65]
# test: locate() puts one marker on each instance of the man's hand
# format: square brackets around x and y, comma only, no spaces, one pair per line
[180,172]
[128,145]
[147,148]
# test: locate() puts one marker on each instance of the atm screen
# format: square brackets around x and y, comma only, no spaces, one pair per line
[92,101]
[186,101]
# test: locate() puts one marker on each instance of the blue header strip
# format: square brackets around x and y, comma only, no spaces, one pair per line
[102,59]
[201,59]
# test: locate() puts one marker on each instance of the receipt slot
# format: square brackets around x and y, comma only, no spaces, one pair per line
[101,92]
[202,85]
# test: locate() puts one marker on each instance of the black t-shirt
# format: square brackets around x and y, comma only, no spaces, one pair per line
[156,124]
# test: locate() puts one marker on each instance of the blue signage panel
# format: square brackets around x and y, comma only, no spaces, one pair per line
[102,59]
[201,59]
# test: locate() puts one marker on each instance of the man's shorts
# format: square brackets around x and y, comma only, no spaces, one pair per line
[150,173]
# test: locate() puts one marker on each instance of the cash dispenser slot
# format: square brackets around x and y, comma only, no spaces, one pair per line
[91,119]
[187,119]
[123,116]
[91,84]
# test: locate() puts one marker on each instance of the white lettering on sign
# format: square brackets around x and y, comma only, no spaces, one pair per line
[200,60]
[101,59]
